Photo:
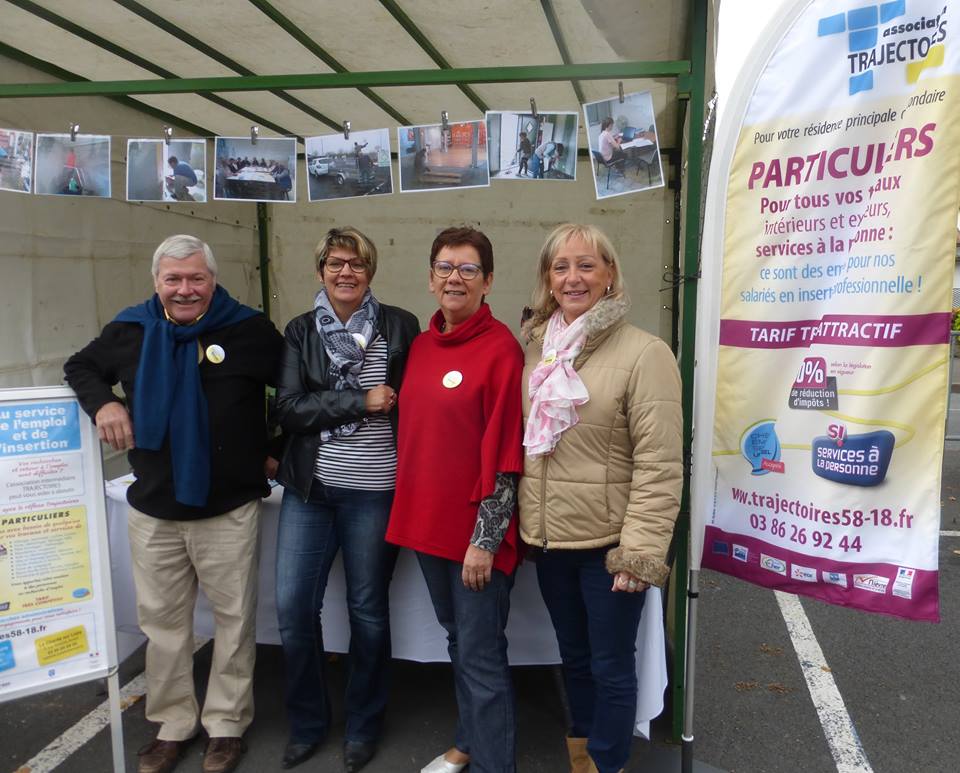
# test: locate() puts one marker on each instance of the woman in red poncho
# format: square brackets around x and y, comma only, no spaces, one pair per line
[459,454]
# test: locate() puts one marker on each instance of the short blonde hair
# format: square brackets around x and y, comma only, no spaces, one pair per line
[543,303]
[347,238]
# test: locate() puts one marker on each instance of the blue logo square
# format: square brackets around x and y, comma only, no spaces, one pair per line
[860,18]
[7,660]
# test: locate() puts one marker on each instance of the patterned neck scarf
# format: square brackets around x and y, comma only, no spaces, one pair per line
[555,388]
[346,346]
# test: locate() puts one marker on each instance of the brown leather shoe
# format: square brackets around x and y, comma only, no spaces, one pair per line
[223,754]
[159,756]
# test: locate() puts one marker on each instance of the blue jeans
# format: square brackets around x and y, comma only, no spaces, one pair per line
[475,623]
[309,537]
[596,631]
[536,166]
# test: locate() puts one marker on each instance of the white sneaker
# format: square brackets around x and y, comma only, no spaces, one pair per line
[440,765]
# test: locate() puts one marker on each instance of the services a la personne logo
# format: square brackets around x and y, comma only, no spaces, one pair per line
[880,36]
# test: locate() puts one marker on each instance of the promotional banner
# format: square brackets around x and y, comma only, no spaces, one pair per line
[824,329]
[56,618]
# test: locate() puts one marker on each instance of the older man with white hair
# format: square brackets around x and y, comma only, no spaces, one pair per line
[193,363]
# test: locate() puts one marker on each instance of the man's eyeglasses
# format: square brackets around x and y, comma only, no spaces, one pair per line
[335,266]
[467,271]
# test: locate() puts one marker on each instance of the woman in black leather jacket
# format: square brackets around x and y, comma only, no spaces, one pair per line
[336,401]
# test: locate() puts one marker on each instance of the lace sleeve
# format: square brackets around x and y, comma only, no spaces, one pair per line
[494,513]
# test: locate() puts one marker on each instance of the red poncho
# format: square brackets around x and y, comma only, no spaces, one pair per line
[454,439]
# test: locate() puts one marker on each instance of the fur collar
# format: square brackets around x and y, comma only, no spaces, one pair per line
[604,314]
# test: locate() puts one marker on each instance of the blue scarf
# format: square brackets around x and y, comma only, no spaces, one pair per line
[168,395]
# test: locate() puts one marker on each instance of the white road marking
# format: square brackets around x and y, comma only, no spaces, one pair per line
[837,726]
[950,533]
[59,749]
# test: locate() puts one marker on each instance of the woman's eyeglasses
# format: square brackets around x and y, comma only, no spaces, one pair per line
[467,271]
[335,266]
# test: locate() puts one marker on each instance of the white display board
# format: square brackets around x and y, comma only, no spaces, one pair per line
[56,601]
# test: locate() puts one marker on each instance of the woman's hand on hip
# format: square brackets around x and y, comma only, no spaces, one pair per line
[626,582]
[380,399]
[477,568]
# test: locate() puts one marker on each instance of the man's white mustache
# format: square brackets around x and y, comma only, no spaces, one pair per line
[186,298]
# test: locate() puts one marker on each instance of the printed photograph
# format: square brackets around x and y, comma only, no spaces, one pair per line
[16,160]
[432,158]
[624,147]
[73,167]
[523,146]
[157,171]
[339,168]
[265,171]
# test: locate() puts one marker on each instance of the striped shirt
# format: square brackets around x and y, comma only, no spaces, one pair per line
[367,459]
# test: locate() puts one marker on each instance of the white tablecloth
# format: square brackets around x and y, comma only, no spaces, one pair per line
[415,632]
[253,175]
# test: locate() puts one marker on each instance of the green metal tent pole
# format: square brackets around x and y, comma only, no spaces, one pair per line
[683,687]
[340,80]
[263,234]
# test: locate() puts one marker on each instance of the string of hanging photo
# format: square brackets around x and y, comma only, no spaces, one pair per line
[449,155]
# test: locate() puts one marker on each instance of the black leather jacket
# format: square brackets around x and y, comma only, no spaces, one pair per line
[305,403]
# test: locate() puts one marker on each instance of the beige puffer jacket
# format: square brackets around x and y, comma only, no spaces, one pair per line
[615,477]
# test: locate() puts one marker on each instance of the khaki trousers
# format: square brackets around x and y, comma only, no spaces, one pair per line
[170,560]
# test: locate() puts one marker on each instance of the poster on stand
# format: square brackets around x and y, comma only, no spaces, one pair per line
[823,327]
[56,609]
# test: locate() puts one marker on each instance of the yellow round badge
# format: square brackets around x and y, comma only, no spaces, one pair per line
[215,354]
[550,357]
[453,379]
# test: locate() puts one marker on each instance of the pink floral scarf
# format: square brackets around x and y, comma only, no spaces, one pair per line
[555,388]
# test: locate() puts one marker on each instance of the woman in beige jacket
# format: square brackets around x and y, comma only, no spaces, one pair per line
[602,478]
